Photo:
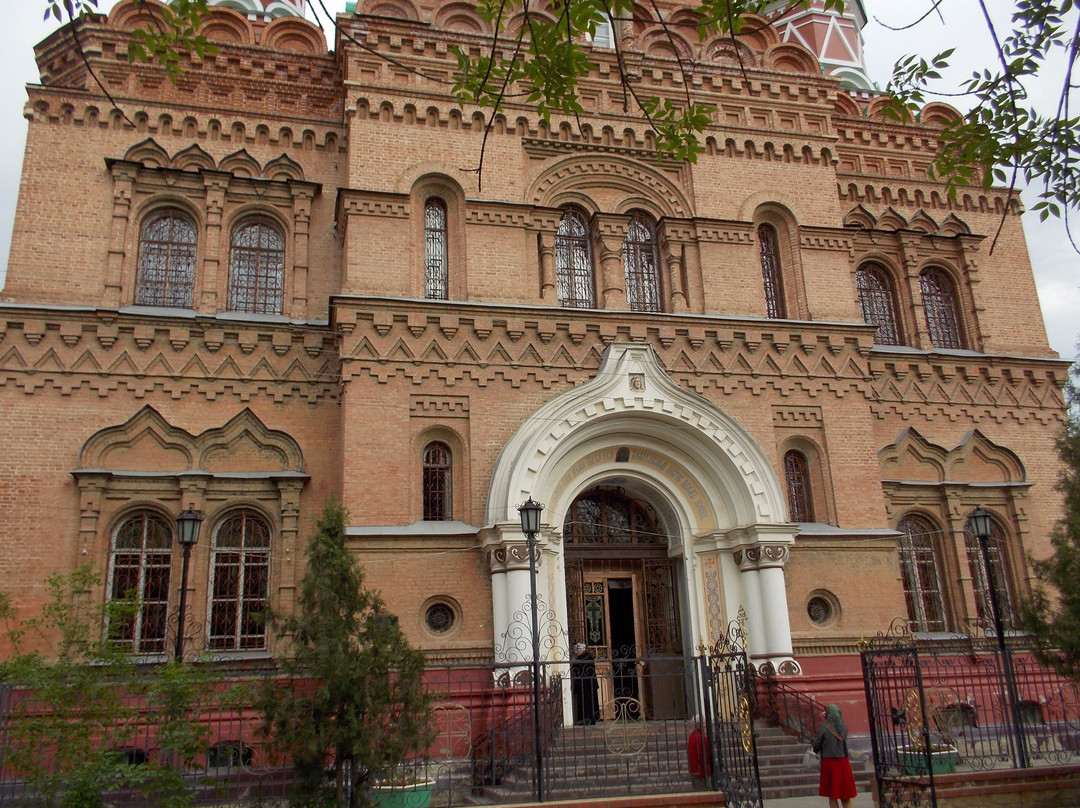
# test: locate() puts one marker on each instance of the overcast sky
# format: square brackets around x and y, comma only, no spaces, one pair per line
[1057,266]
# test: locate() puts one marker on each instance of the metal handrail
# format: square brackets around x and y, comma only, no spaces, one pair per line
[792,710]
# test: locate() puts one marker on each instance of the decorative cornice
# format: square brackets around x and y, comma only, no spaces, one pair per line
[103,352]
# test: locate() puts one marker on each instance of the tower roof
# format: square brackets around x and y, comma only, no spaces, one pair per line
[264,9]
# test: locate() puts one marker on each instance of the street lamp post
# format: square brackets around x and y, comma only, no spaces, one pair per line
[188,523]
[530,526]
[981,523]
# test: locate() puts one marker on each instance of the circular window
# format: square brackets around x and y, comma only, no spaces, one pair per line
[439,618]
[822,608]
[819,610]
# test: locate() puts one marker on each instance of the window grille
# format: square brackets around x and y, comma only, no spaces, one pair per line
[573,262]
[166,273]
[141,567]
[640,265]
[240,583]
[797,476]
[257,277]
[878,302]
[942,312]
[920,569]
[997,549]
[438,505]
[435,255]
[610,518]
[770,272]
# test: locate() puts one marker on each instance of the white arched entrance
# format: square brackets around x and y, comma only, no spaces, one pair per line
[716,494]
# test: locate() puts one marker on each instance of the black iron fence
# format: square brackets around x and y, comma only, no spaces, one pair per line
[793,710]
[962,704]
[484,747]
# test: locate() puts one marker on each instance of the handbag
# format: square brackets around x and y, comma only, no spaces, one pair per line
[811,759]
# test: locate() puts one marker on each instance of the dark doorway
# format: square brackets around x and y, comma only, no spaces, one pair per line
[623,641]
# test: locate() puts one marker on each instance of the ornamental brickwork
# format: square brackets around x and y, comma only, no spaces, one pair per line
[334,187]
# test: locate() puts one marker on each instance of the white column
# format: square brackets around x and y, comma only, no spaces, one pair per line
[762,567]
[499,613]
[775,609]
[517,642]
[755,623]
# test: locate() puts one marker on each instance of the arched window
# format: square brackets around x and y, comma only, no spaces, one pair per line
[640,264]
[874,286]
[166,274]
[942,311]
[239,585]
[799,494]
[438,505]
[920,569]
[769,247]
[573,261]
[435,255]
[257,267]
[140,570]
[1001,576]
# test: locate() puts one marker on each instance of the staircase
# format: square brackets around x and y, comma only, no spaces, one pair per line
[650,758]
[603,760]
[780,766]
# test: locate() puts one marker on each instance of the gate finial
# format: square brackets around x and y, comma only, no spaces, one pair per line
[741,619]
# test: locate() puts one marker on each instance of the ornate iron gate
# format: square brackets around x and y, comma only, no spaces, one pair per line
[899,731]
[728,690]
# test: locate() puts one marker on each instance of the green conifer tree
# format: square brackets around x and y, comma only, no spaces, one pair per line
[1052,614]
[353,703]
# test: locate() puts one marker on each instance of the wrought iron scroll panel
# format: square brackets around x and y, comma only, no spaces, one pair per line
[728,689]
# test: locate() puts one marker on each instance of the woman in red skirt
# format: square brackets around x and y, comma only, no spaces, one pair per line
[837,781]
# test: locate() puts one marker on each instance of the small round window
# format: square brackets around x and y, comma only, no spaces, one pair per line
[822,608]
[439,618]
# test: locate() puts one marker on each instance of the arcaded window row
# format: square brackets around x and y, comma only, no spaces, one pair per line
[142,561]
[166,267]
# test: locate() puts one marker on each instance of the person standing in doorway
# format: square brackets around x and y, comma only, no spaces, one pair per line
[837,780]
[584,686]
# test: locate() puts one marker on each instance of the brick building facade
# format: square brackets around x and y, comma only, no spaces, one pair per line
[776,380]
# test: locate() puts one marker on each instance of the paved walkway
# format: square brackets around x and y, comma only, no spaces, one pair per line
[863,800]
